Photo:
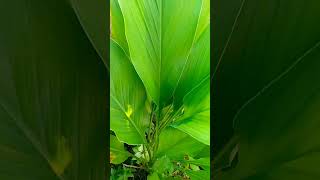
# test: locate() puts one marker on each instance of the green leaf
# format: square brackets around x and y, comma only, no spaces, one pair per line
[163,164]
[277,91]
[117,26]
[118,154]
[203,153]
[121,173]
[159,40]
[128,114]
[204,19]
[202,162]
[288,128]
[197,67]
[176,144]
[196,118]
[198,175]
[153,176]
[267,37]
[93,19]
[52,95]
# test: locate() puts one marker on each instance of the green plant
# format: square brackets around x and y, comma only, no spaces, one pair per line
[160,88]
[266,90]
[53,89]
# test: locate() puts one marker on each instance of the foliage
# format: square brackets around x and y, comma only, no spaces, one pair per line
[160,87]
[53,89]
[267,94]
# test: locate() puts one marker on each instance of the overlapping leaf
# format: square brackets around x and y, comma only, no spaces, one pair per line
[128,112]
[118,154]
[176,145]
[159,40]
[52,95]
[277,90]
[196,118]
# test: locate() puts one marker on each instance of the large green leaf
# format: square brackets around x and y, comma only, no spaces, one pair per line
[52,95]
[118,154]
[176,145]
[128,97]
[117,25]
[162,165]
[198,175]
[93,19]
[197,67]
[263,40]
[272,62]
[225,20]
[195,120]
[288,129]
[204,19]
[159,40]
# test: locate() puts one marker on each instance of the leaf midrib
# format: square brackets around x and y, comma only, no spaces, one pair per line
[130,120]
[28,135]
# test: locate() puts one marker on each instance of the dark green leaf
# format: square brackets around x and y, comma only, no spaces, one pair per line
[93,18]
[52,95]
[272,61]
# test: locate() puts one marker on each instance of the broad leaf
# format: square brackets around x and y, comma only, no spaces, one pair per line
[176,144]
[197,67]
[198,175]
[204,19]
[289,129]
[52,95]
[118,153]
[117,25]
[162,164]
[195,120]
[128,97]
[93,19]
[159,40]
[202,162]
[153,176]
[277,90]
[266,39]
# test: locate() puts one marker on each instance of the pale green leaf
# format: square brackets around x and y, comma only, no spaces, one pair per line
[159,40]
[204,20]
[128,114]
[176,144]
[197,67]
[117,26]
[196,118]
